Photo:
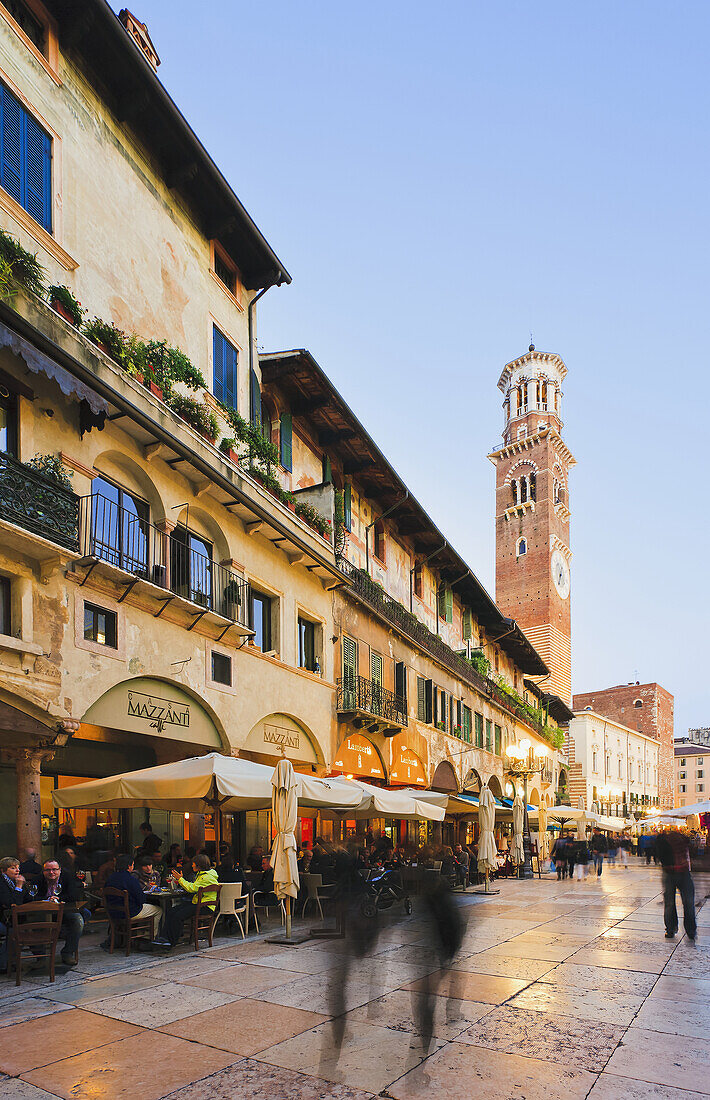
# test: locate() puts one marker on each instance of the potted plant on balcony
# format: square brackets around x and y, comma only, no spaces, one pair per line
[66,305]
[313,518]
[228,447]
[233,598]
[25,270]
[197,415]
[110,339]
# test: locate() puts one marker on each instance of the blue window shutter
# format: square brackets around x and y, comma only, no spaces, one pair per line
[254,398]
[348,507]
[218,365]
[38,174]
[231,384]
[286,436]
[12,142]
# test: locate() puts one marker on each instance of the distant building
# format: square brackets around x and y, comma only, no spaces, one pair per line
[691,754]
[612,765]
[646,708]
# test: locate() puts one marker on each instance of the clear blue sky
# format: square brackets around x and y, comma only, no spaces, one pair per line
[440,181]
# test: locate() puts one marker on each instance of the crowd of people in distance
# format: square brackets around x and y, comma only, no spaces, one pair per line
[571,856]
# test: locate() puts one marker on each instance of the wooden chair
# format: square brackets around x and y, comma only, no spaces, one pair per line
[35,925]
[232,904]
[204,919]
[118,911]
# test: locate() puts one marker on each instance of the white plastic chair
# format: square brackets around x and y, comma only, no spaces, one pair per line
[232,904]
[317,892]
[254,908]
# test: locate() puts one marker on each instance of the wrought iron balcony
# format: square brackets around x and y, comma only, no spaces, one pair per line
[118,540]
[37,503]
[406,621]
[370,705]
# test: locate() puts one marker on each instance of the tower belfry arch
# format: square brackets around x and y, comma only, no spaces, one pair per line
[532,511]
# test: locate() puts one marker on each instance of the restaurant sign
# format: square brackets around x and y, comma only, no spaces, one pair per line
[407,768]
[279,735]
[358,756]
[156,708]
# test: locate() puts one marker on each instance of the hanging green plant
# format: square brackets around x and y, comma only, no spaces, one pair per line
[26,269]
[196,414]
[63,301]
[52,467]
[108,337]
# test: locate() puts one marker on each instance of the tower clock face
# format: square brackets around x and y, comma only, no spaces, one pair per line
[560,574]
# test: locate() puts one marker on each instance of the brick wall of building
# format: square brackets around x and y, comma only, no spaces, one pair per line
[654,717]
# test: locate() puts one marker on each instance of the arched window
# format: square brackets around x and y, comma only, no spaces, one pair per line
[515,490]
[523,489]
[533,487]
[638,703]
[522,548]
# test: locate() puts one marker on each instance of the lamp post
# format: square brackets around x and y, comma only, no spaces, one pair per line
[524,761]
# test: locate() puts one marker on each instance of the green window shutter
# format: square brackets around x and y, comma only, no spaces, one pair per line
[286,441]
[479,731]
[497,731]
[466,723]
[348,507]
[467,623]
[489,734]
[429,698]
[327,471]
[349,658]
[376,668]
[421,699]
[441,602]
[449,605]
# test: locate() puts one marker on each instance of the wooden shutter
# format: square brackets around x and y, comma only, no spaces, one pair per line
[421,698]
[254,398]
[348,507]
[38,159]
[217,364]
[467,623]
[376,668]
[12,129]
[449,605]
[428,701]
[400,681]
[434,697]
[441,602]
[224,370]
[286,441]
[349,658]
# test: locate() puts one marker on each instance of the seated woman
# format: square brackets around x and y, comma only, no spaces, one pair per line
[205,876]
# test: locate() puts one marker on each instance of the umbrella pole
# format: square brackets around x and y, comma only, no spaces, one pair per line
[288,917]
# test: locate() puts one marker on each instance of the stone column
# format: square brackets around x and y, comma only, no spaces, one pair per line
[161,554]
[29,815]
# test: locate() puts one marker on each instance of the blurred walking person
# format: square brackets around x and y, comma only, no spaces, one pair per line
[673,851]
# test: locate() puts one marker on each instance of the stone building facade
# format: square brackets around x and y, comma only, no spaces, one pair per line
[612,766]
[691,767]
[646,708]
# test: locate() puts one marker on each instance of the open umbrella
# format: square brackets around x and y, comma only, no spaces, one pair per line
[517,851]
[487,850]
[284,805]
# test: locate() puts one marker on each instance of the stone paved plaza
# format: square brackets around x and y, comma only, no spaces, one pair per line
[561,990]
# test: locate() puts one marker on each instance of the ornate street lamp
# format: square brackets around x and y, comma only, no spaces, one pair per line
[524,761]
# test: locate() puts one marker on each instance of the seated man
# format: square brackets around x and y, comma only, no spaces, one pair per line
[13,891]
[205,876]
[265,894]
[30,869]
[139,905]
[62,886]
[148,879]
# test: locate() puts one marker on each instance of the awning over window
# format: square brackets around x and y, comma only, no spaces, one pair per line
[40,363]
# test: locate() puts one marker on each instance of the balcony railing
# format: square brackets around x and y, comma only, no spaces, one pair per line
[38,504]
[123,539]
[406,621]
[356,693]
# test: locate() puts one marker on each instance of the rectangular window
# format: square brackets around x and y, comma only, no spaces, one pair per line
[286,442]
[479,730]
[699,761]
[25,160]
[379,547]
[594,761]
[428,701]
[225,360]
[489,734]
[698,773]
[348,507]
[191,566]
[119,527]
[225,269]
[700,786]
[467,624]
[350,672]
[683,775]
[682,788]
[100,626]
[28,22]
[446,604]
[8,424]
[400,681]
[260,619]
[421,699]
[443,716]
[466,723]
[682,762]
[5,606]
[222,669]
[417,580]
[497,733]
[458,713]
[306,644]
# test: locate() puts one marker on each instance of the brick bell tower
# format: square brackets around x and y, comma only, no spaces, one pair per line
[532,512]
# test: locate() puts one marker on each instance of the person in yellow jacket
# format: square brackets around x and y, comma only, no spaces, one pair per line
[205,875]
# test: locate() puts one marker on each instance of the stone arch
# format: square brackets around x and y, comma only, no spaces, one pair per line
[202,523]
[534,797]
[472,781]
[444,777]
[494,786]
[563,778]
[127,473]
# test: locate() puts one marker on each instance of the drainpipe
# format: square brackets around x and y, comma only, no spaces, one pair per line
[413,570]
[367,529]
[250,320]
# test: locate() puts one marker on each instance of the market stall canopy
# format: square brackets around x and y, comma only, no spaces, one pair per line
[200,784]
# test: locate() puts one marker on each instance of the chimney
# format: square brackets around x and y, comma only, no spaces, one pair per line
[139,33]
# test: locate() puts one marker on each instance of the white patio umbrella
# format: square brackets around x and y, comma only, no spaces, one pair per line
[402,804]
[517,851]
[284,806]
[487,850]
[686,811]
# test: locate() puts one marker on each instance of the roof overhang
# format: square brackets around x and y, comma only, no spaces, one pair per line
[108,57]
[556,707]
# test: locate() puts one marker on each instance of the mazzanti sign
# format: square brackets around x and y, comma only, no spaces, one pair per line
[156,708]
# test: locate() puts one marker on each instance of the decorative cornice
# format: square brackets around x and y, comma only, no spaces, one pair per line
[531,357]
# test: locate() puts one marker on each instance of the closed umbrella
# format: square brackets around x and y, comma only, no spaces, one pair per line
[284,805]
[542,830]
[517,851]
[581,820]
[487,850]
